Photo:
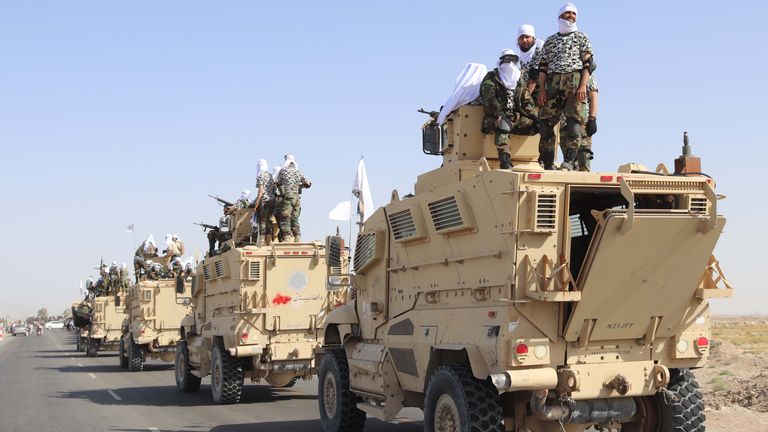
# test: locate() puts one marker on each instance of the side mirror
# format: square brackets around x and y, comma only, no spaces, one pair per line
[431,139]
[179,284]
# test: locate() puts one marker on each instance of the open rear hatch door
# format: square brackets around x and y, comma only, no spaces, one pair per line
[647,273]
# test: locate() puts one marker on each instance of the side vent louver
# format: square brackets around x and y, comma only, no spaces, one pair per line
[254,270]
[207,272]
[445,214]
[698,205]
[218,267]
[545,218]
[403,227]
[367,252]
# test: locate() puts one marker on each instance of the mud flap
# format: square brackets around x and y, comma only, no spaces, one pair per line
[632,277]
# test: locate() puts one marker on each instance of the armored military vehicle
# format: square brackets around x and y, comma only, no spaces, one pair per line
[528,300]
[154,310]
[81,319]
[258,312]
[105,331]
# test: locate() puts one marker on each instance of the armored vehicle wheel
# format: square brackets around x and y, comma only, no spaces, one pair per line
[91,347]
[122,355]
[135,356]
[185,381]
[338,405]
[457,401]
[664,413]
[226,377]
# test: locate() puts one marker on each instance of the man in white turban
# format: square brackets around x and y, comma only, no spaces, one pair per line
[530,52]
[507,104]
[264,203]
[564,71]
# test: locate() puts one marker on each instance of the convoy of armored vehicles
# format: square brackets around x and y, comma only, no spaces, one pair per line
[493,300]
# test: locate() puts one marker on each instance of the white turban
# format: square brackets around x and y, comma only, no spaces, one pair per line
[150,241]
[245,194]
[289,159]
[568,7]
[168,238]
[261,167]
[275,172]
[527,30]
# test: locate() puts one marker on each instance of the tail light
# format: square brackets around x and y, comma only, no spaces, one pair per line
[702,345]
[521,352]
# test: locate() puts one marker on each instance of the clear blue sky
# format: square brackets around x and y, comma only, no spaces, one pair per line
[113,113]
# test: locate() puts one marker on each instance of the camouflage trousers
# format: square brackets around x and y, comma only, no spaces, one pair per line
[562,101]
[584,158]
[264,213]
[288,218]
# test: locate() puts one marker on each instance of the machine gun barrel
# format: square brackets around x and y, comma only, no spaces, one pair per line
[206,226]
[432,114]
[222,201]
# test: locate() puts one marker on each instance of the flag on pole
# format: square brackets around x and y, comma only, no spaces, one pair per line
[341,211]
[129,228]
[362,191]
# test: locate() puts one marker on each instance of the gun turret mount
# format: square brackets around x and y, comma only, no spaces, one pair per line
[687,162]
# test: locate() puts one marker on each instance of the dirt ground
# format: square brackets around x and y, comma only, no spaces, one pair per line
[735,383]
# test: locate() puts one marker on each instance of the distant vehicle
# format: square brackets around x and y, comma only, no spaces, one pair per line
[54,325]
[20,330]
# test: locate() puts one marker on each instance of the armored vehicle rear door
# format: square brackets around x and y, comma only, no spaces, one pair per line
[629,279]
[295,289]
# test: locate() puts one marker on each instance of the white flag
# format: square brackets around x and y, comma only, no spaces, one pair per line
[129,228]
[341,211]
[362,191]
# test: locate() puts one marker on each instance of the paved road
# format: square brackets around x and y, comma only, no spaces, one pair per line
[46,385]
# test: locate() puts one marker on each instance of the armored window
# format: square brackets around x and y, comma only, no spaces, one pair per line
[368,251]
[146,295]
[207,272]
[578,228]
[450,215]
[254,270]
[99,307]
[218,267]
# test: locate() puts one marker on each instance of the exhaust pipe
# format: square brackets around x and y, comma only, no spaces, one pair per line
[584,411]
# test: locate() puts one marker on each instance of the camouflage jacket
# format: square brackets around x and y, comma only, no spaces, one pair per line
[266,181]
[565,53]
[498,100]
[290,180]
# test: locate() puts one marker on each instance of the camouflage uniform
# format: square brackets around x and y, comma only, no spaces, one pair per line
[525,68]
[517,106]
[585,154]
[266,206]
[290,181]
[563,59]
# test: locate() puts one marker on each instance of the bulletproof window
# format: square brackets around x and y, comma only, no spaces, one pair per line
[99,307]
[146,295]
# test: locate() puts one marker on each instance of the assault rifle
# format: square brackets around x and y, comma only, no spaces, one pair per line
[222,201]
[206,227]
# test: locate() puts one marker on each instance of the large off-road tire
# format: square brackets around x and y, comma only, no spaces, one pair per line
[185,381]
[338,405]
[456,400]
[92,347]
[680,411]
[135,356]
[122,355]
[226,377]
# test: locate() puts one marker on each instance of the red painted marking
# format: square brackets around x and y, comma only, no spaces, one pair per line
[281,299]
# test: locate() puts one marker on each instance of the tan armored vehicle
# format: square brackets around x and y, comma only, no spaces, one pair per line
[528,300]
[81,318]
[155,309]
[105,332]
[258,313]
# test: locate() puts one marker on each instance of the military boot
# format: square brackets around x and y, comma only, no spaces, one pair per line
[547,158]
[569,160]
[505,160]
[584,158]
[287,239]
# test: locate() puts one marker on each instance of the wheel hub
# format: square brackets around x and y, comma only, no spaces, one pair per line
[329,395]
[446,415]
[216,375]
